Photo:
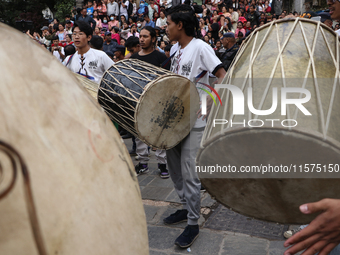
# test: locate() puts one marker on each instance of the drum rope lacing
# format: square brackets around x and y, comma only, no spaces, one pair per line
[325,120]
[15,158]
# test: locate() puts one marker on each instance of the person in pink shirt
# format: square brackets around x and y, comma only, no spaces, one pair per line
[97,19]
[113,22]
[240,29]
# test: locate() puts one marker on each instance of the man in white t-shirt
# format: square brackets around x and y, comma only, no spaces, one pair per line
[123,7]
[191,57]
[86,61]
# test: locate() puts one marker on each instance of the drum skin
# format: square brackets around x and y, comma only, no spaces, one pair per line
[281,54]
[84,187]
[153,104]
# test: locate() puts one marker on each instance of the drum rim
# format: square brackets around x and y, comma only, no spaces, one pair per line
[237,130]
[142,97]
[290,20]
[205,145]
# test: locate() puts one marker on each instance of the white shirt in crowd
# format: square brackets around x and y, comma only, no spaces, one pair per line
[93,65]
[161,22]
[167,5]
[112,8]
[123,11]
[57,54]
[191,61]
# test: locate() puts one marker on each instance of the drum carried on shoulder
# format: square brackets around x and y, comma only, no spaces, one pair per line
[153,104]
[295,62]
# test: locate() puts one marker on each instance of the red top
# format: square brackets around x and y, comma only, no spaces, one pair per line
[117,37]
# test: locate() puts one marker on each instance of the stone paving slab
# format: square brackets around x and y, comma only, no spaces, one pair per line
[156,193]
[227,220]
[244,245]
[163,238]
[173,197]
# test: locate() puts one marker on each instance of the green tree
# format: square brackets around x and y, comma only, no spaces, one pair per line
[63,7]
[12,10]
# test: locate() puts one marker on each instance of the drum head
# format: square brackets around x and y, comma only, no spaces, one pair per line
[167,111]
[262,196]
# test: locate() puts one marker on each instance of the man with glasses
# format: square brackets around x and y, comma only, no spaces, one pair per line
[87,61]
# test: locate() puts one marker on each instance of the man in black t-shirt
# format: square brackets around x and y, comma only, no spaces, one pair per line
[147,41]
[148,52]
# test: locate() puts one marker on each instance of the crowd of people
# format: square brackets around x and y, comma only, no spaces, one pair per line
[114,22]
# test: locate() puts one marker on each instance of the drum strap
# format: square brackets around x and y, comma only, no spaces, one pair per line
[167,61]
[68,61]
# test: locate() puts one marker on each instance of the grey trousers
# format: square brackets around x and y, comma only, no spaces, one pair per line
[181,163]
[142,152]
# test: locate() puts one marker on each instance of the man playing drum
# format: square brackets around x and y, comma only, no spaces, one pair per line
[322,235]
[190,58]
[147,41]
[87,61]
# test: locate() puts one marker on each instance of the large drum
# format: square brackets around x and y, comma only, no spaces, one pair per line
[275,161]
[86,198]
[155,105]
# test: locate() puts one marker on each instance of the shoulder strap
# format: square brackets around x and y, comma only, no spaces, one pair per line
[68,61]
[167,61]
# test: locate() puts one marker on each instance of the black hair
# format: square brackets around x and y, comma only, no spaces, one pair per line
[56,27]
[168,47]
[116,29]
[55,38]
[69,50]
[67,16]
[83,27]
[132,41]
[186,14]
[96,42]
[69,35]
[229,23]
[152,32]
[122,51]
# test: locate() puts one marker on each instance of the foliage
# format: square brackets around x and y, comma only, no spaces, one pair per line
[14,10]
[62,8]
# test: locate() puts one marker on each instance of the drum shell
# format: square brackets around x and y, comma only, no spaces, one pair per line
[153,104]
[83,182]
[314,140]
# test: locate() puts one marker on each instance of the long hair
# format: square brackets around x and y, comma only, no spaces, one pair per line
[186,14]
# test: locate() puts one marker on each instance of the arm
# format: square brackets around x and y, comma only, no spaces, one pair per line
[323,234]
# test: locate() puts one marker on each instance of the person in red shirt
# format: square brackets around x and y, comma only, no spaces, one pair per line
[115,34]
